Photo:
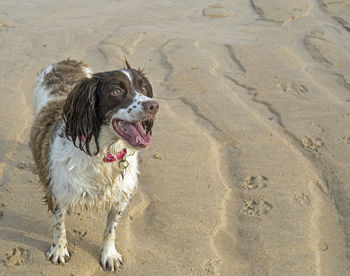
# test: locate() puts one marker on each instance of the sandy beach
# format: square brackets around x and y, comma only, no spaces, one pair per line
[248,171]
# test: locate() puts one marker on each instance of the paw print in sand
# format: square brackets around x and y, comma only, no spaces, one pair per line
[257,208]
[255,182]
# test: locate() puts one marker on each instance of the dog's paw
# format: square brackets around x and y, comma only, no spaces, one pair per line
[111,260]
[58,254]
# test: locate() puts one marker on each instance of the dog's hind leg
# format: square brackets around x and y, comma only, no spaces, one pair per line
[58,252]
[110,258]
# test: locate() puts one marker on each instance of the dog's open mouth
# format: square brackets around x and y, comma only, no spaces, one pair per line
[132,132]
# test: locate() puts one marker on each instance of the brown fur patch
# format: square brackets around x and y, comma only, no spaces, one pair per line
[41,135]
[64,76]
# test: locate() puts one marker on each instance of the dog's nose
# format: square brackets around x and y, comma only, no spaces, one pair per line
[151,106]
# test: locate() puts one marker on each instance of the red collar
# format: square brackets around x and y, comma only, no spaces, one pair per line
[119,156]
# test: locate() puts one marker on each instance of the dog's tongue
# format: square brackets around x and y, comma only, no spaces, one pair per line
[138,136]
[134,134]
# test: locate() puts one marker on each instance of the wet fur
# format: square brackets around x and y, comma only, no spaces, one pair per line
[80,116]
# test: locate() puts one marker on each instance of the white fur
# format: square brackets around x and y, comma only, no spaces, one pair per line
[88,72]
[87,182]
[41,94]
[136,108]
[80,180]
[109,255]
[128,74]
[58,252]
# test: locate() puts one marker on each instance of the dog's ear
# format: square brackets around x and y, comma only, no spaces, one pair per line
[80,115]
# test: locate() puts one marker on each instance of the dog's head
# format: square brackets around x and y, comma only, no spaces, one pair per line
[120,99]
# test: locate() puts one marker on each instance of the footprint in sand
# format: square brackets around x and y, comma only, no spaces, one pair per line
[211,266]
[255,182]
[313,144]
[346,140]
[17,256]
[216,11]
[302,199]
[257,208]
[27,166]
[80,234]
[293,88]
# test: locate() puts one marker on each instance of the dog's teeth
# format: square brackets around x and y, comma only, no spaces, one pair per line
[137,139]
[121,125]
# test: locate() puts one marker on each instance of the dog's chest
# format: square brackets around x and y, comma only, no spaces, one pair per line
[81,180]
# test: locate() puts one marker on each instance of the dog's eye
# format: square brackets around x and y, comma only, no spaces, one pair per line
[117,92]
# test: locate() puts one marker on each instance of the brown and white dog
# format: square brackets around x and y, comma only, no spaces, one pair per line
[85,139]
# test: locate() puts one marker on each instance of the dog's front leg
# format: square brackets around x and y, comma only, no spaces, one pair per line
[58,252]
[110,258]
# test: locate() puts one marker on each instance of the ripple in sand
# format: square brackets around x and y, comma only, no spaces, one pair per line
[216,11]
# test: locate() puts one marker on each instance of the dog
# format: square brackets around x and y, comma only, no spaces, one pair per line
[85,139]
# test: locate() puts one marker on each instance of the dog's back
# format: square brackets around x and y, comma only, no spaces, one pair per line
[56,81]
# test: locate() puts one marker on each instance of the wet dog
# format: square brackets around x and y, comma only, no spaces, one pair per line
[87,132]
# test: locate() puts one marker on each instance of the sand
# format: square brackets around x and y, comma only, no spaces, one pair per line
[248,169]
